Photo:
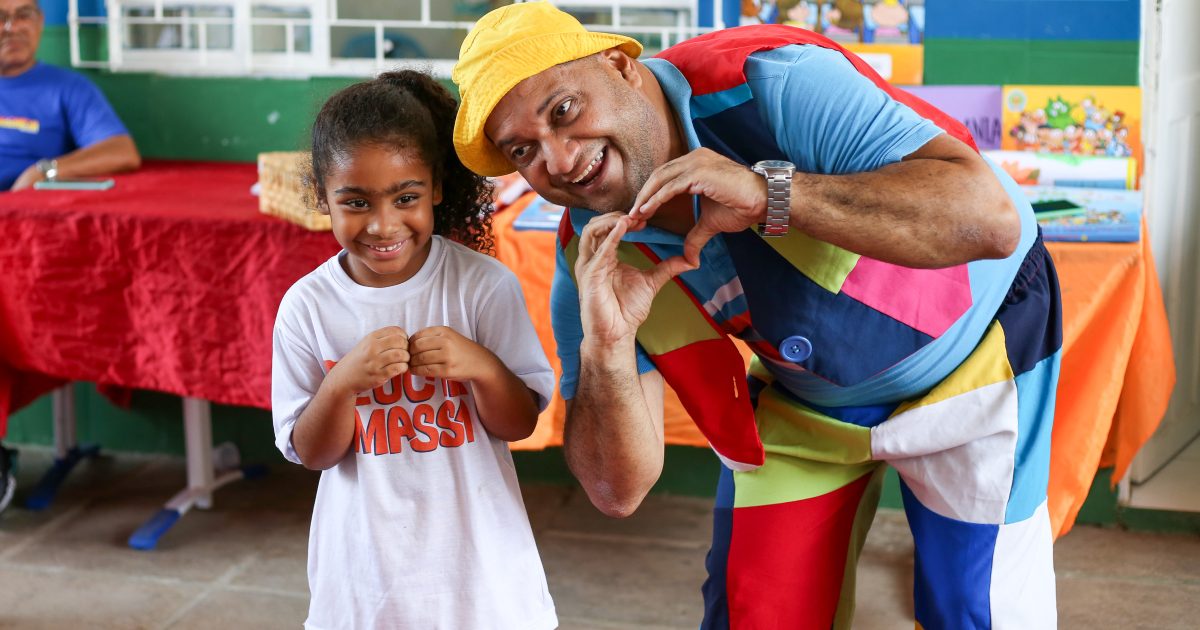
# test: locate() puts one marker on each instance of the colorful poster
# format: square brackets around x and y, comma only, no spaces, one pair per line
[858,21]
[1079,171]
[1087,214]
[976,106]
[1076,120]
[887,34]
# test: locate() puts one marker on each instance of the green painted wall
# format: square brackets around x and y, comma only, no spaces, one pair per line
[203,118]
[1034,62]
[153,423]
[216,118]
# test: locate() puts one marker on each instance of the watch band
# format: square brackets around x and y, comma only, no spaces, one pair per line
[779,196]
[48,168]
[778,174]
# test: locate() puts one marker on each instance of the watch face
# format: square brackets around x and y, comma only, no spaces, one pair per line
[765,164]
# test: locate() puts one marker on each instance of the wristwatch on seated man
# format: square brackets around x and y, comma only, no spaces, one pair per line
[48,168]
[779,195]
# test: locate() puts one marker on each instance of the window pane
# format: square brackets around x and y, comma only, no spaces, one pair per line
[179,28]
[270,28]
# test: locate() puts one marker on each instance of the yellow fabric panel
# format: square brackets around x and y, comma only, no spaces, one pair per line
[674,319]
[825,264]
[987,365]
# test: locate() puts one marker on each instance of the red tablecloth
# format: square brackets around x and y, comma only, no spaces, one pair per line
[169,281]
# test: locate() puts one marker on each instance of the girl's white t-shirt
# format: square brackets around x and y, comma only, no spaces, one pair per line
[422,524]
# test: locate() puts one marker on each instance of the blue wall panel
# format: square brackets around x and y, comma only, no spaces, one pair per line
[1033,19]
[56,10]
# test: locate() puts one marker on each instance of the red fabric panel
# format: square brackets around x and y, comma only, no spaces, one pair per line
[169,281]
[714,62]
[727,422]
[787,560]
[715,396]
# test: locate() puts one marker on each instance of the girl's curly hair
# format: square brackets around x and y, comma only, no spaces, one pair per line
[407,109]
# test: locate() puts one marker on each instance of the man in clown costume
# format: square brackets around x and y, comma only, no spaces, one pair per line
[761,182]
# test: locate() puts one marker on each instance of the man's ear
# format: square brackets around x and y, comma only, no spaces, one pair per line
[623,65]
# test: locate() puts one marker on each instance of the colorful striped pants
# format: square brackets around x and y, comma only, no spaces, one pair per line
[973,459]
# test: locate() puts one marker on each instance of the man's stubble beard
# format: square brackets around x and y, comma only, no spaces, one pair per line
[637,146]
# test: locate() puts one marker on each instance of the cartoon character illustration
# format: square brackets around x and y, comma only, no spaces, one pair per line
[1026,132]
[1058,113]
[1072,138]
[1087,128]
[852,20]
[1090,142]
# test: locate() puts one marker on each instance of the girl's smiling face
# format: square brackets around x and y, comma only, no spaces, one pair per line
[381,203]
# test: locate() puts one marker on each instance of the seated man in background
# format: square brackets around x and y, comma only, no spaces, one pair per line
[54,123]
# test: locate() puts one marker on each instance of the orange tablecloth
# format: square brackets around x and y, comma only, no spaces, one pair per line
[1117,371]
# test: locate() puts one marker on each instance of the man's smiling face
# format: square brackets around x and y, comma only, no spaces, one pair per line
[582,133]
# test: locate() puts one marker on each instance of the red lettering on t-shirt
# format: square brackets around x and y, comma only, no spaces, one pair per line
[423,423]
[399,429]
[455,389]
[376,433]
[418,395]
[390,392]
[387,429]
[451,437]
[464,416]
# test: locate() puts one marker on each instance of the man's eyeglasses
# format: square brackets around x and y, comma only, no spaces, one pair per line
[24,15]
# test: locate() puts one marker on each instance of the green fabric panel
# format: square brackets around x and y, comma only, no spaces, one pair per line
[1036,62]
[825,264]
[788,428]
[844,620]
[808,454]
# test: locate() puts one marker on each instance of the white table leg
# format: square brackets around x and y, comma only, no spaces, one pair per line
[203,479]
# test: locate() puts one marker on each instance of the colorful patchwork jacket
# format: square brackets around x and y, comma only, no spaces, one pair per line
[834,328]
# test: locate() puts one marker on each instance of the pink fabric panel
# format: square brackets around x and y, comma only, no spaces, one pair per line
[945,294]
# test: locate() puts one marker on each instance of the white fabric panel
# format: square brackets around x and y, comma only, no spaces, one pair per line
[957,456]
[1022,592]
[724,295]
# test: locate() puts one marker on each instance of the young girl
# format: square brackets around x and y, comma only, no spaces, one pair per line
[402,366]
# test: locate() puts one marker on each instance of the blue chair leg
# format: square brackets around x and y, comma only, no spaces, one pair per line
[47,487]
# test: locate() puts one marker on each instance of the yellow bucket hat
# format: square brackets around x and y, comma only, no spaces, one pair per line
[507,46]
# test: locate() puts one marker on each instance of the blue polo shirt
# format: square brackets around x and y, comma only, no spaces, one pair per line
[47,112]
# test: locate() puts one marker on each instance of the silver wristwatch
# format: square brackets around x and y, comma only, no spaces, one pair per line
[778,174]
[48,168]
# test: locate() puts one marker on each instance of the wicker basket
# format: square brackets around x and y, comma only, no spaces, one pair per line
[281,190]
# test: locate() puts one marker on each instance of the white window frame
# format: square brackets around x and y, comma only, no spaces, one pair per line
[318,61]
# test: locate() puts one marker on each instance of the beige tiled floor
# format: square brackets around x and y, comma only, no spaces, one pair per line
[241,564]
